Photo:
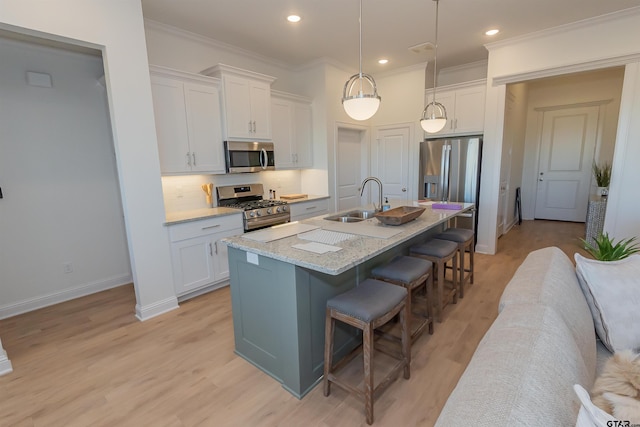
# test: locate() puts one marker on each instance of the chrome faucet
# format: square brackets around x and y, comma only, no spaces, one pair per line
[373,178]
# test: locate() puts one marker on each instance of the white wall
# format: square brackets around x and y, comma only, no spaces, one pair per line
[175,48]
[594,86]
[62,199]
[116,27]
[598,43]
[513,149]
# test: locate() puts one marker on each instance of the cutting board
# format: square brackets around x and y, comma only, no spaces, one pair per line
[293,196]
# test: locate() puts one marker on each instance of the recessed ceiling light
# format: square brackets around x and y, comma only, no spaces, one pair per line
[382,61]
[293,18]
[492,32]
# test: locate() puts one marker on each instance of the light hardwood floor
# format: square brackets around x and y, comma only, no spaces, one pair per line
[89,362]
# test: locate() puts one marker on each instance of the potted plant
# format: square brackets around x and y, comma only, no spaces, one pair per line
[606,249]
[603,177]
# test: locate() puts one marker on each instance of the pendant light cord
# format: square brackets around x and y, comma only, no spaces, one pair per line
[435,58]
[360,50]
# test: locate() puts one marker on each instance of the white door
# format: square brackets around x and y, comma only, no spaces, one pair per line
[393,161]
[564,170]
[349,156]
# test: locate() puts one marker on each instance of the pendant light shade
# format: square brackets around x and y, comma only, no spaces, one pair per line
[357,103]
[434,116]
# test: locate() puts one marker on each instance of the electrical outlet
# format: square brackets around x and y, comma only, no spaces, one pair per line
[67,267]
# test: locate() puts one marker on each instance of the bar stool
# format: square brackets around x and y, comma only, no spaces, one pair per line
[439,252]
[465,239]
[412,274]
[368,306]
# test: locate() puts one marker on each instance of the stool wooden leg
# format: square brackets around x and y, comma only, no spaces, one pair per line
[461,251]
[440,293]
[429,298]
[367,344]
[405,316]
[328,350]
[471,266]
[454,279]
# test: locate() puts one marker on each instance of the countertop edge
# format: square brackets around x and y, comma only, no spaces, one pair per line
[199,214]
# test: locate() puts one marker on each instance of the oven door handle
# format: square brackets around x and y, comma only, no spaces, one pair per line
[264,159]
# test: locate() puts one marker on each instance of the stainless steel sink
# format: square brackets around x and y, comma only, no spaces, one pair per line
[351,216]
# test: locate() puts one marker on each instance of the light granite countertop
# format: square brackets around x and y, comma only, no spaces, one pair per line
[198,214]
[309,198]
[355,250]
[204,213]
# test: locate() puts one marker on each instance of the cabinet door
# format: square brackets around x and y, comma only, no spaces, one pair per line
[192,263]
[302,132]
[282,117]
[237,102]
[448,99]
[205,133]
[260,95]
[171,124]
[470,110]
[221,253]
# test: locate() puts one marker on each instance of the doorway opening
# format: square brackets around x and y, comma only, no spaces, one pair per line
[62,218]
[555,128]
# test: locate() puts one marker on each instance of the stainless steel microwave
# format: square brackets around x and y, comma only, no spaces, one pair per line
[245,156]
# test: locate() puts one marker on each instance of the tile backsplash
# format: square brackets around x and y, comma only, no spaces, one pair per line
[184,193]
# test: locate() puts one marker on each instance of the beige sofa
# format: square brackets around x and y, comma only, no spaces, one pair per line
[542,343]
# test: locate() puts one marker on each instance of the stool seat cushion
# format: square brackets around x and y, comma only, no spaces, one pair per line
[435,248]
[403,269]
[369,300]
[459,235]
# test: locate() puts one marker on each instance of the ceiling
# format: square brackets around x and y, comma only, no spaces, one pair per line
[329,28]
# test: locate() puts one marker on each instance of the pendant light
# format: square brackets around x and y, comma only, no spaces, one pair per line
[434,116]
[360,105]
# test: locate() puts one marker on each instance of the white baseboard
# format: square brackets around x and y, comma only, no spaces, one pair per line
[157,308]
[31,304]
[5,363]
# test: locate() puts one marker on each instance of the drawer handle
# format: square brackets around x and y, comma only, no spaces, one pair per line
[211,226]
[311,207]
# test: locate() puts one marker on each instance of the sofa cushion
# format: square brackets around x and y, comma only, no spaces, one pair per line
[521,374]
[612,290]
[547,276]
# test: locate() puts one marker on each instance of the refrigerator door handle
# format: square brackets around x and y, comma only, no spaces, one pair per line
[444,176]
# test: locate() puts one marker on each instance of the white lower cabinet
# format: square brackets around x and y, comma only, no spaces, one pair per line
[309,209]
[199,259]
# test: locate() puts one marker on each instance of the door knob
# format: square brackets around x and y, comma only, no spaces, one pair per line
[404,190]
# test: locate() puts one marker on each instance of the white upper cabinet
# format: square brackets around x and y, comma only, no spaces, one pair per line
[188,122]
[246,103]
[292,131]
[465,108]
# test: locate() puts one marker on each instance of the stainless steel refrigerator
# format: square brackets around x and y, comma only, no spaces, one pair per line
[450,171]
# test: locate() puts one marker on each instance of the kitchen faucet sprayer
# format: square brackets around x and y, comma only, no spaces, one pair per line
[373,178]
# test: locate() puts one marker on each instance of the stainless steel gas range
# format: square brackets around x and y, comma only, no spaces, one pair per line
[258,212]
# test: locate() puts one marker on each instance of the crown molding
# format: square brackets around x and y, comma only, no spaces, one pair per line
[598,20]
[396,71]
[468,66]
[188,35]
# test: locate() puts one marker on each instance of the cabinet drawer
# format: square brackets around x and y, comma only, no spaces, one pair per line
[204,226]
[308,209]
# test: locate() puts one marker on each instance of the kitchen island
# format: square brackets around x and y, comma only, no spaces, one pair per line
[279,291]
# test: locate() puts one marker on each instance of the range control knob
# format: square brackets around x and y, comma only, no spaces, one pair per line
[258,213]
[252,214]
[284,208]
[269,211]
[278,209]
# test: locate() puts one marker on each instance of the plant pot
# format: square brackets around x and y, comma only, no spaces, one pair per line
[602,191]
